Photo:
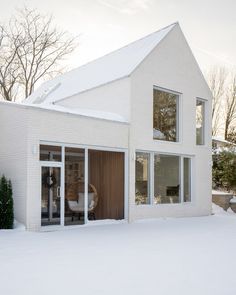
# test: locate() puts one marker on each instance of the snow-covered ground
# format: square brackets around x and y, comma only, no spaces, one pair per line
[184,256]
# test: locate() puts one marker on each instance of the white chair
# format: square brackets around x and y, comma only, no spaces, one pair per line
[77,207]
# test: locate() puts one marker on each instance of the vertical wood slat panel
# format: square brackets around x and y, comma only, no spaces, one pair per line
[106,173]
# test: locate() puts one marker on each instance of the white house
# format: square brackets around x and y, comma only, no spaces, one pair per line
[127,136]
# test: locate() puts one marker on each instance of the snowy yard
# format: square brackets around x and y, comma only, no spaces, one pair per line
[184,256]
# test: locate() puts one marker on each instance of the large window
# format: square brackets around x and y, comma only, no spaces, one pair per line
[166,179]
[162,178]
[142,178]
[200,122]
[165,115]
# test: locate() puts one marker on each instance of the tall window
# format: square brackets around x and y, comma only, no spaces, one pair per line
[142,178]
[200,122]
[166,179]
[165,115]
[187,179]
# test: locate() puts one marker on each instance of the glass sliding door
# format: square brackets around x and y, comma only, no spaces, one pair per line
[74,186]
[50,195]
[65,173]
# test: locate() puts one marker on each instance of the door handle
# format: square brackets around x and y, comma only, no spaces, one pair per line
[58,191]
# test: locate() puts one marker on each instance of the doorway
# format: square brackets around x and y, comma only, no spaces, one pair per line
[50,195]
[82,184]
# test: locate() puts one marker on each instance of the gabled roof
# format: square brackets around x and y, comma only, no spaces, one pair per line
[113,66]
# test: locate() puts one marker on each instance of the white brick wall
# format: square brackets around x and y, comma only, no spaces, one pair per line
[13,154]
[171,66]
[113,97]
[20,137]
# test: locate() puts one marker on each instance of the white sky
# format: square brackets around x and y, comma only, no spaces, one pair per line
[105,25]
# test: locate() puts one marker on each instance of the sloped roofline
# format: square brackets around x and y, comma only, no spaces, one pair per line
[122,47]
[124,75]
[129,73]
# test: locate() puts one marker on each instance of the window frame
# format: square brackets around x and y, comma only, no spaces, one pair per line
[181,175]
[178,114]
[149,193]
[204,101]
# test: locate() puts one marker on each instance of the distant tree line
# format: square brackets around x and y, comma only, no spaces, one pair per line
[222,83]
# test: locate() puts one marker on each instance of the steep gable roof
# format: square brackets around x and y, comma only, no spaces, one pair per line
[113,66]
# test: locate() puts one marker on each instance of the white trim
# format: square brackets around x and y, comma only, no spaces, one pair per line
[193,183]
[181,176]
[151,178]
[179,115]
[165,153]
[83,146]
[126,184]
[167,90]
[62,192]
[43,165]
[50,164]
[86,185]
[205,123]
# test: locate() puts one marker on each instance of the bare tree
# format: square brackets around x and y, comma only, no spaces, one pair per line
[230,108]
[217,77]
[31,49]
[9,69]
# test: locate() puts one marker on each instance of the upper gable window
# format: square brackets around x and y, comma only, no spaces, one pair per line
[200,122]
[165,115]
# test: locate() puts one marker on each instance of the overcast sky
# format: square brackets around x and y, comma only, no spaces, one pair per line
[105,25]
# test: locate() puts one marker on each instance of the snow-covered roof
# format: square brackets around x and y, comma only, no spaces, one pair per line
[82,112]
[220,140]
[115,65]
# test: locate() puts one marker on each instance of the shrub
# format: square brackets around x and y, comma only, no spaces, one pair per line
[6,204]
[224,170]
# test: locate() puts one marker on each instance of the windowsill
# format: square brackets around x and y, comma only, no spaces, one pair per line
[167,142]
[202,146]
[164,204]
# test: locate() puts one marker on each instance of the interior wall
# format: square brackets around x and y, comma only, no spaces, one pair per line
[106,173]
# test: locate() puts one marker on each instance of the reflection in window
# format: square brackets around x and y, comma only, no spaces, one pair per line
[50,153]
[142,179]
[165,112]
[166,179]
[187,180]
[74,185]
[200,109]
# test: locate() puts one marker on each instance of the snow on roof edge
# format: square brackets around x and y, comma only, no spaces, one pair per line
[93,114]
